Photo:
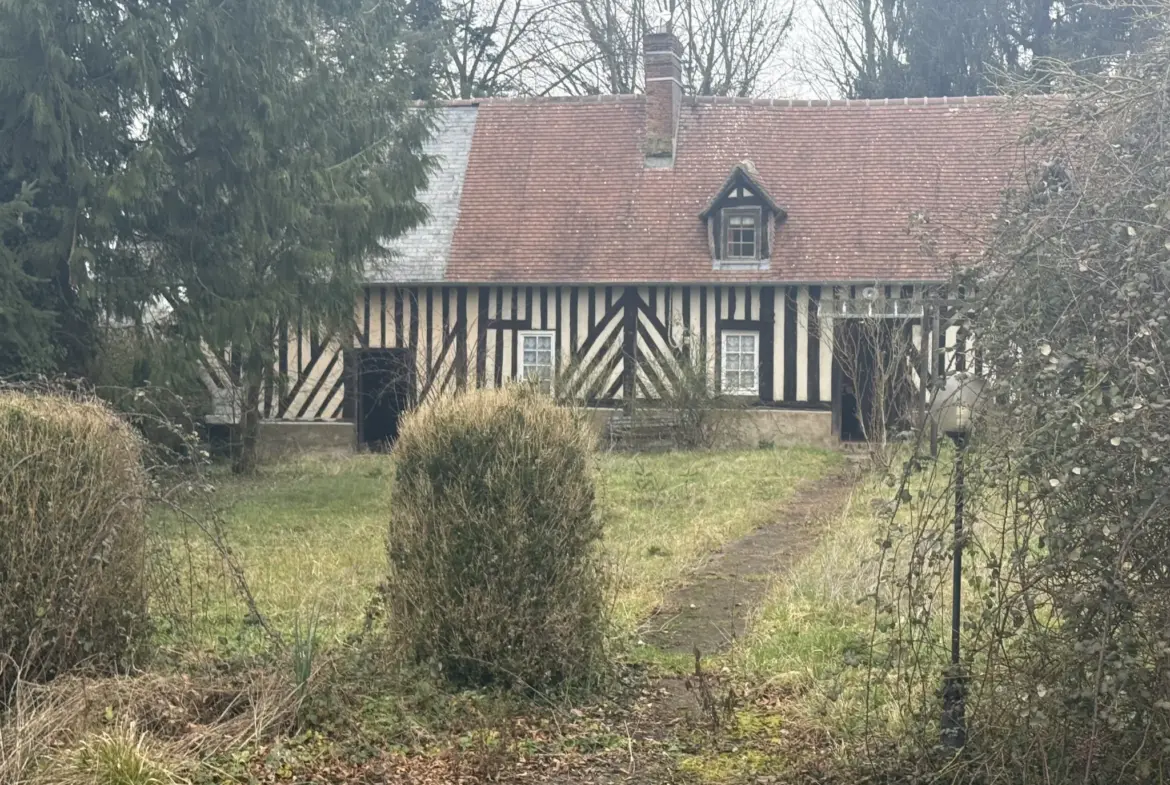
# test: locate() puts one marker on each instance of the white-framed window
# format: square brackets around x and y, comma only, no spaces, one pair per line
[741,233]
[741,362]
[538,358]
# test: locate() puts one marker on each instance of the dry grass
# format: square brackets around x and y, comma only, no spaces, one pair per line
[117,755]
[59,733]
[309,534]
[810,638]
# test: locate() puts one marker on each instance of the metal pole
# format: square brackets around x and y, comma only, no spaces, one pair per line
[954,725]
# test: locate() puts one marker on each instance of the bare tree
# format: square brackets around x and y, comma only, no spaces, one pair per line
[590,47]
[848,42]
[730,47]
[491,45]
[879,362]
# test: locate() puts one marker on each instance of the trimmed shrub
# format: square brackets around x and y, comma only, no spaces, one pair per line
[72,538]
[495,572]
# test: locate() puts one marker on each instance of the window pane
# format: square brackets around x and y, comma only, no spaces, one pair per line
[544,342]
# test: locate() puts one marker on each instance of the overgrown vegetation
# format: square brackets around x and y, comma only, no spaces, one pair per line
[325,698]
[72,538]
[495,573]
[1065,609]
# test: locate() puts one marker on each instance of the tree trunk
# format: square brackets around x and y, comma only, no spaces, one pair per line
[252,382]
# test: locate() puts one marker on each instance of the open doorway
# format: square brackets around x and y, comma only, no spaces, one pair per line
[874,389]
[384,381]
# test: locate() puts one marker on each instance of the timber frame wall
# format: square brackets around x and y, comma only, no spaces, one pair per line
[613,342]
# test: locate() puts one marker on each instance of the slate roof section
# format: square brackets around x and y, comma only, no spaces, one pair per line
[557,191]
[420,255]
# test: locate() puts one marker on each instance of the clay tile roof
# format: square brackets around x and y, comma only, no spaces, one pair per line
[557,191]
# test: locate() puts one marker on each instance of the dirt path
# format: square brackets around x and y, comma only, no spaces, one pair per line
[712,609]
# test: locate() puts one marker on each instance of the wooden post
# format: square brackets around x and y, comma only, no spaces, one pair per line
[630,302]
[923,364]
[938,338]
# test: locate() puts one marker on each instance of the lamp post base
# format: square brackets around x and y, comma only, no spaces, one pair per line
[954,720]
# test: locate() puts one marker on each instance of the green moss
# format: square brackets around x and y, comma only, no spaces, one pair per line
[728,767]
[755,724]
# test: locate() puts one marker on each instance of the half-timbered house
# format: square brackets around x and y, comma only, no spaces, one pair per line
[594,243]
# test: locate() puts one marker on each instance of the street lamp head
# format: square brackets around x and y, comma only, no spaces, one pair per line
[956,405]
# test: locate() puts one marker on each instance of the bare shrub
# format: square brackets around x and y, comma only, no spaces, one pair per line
[72,538]
[494,567]
[1065,634]
[699,412]
[140,373]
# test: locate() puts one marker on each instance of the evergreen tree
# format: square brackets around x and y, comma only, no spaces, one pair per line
[897,48]
[76,77]
[285,149]
[25,342]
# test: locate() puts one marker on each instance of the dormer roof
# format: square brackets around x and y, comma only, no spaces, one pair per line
[743,175]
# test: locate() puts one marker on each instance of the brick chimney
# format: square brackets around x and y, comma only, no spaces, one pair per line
[660,53]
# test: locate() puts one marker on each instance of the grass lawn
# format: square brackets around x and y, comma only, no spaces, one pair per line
[310,532]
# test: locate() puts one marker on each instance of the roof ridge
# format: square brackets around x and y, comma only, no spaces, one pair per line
[820,103]
[719,100]
[528,100]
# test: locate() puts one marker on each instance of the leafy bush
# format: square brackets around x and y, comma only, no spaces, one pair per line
[495,571]
[72,537]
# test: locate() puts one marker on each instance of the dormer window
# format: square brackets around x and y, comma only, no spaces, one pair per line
[741,222]
[741,233]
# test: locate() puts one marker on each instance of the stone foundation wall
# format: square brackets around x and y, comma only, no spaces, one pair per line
[742,428]
[752,428]
[286,438]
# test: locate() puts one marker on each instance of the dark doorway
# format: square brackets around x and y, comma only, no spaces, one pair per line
[872,371]
[384,382]
[851,428]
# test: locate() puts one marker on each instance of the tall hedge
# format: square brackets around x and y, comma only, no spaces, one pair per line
[495,573]
[72,538]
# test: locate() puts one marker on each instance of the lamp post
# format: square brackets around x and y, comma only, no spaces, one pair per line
[954,409]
